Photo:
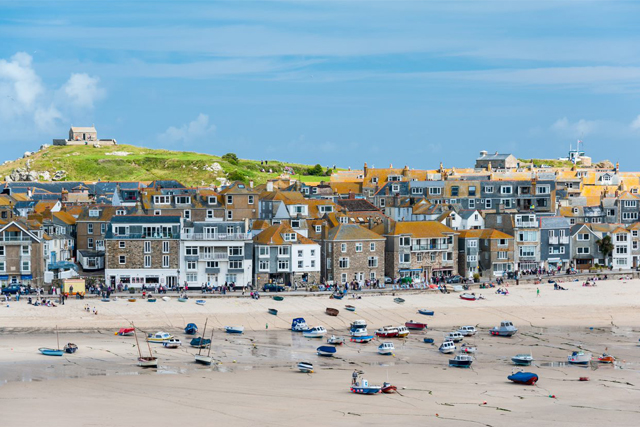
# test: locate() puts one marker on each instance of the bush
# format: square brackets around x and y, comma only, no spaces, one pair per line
[231,158]
[237,176]
[476,277]
[316,170]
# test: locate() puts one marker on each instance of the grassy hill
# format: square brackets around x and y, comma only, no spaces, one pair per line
[86,163]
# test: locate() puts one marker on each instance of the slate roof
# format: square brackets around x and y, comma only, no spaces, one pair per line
[351,232]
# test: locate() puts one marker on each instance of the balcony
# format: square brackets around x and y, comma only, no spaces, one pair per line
[429,247]
[554,240]
[527,224]
[222,256]
[146,236]
[217,236]
[564,240]
[15,239]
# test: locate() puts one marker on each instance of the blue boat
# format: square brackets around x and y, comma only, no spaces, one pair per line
[200,342]
[526,378]
[191,329]
[349,308]
[338,296]
[363,387]
[326,350]
[363,339]
[428,340]
[105,300]
[299,325]
[426,312]
[51,351]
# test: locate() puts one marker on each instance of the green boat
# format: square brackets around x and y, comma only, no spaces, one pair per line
[278,298]
[273,311]
[182,300]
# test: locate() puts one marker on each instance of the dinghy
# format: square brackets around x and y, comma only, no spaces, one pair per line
[234,329]
[200,342]
[278,298]
[332,311]
[151,300]
[386,348]
[426,312]
[606,358]
[418,326]
[182,299]
[172,343]
[579,358]
[326,351]
[70,348]
[362,339]
[51,351]
[398,300]
[525,378]
[159,337]
[522,359]
[201,358]
[201,302]
[132,300]
[349,308]
[166,298]
[305,367]
[468,297]
[125,332]
[145,361]
[105,300]
[335,340]
[387,388]
[273,311]
[191,329]
[299,325]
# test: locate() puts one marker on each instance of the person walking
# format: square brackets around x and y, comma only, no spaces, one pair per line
[354,377]
[537,292]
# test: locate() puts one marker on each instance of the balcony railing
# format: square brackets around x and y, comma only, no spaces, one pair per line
[213,256]
[527,224]
[564,240]
[217,236]
[6,238]
[147,236]
[429,247]
[554,240]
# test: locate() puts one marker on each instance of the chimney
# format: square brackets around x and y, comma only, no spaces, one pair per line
[370,223]
[483,153]
[251,184]
[617,167]
[351,196]
[387,225]
[365,169]
[405,171]
[269,185]
[489,167]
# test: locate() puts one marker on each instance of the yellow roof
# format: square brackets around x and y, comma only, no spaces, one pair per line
[486,233]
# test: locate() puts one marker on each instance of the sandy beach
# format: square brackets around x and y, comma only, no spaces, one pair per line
[254,380]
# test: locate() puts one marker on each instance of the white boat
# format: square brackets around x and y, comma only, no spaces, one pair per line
[315,332]
[454,336]
[359,332]
[579,358]
[305,367]
[172,343]
[522,359]
[203,360]
[447,347]
[147,362]
[358,324]
[506,329]
[234,329]
[403,331]
[467,331]
[299,325]
[335,340]
[386,348]
[166,298]
[468,349]
[159,337]
[461,361]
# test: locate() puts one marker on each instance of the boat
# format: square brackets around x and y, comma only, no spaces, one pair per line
[403,332]
[426,312]
[299,325]
[362,339]
[332,311]
[305,367]
[172,343]
[525,378]
[70,348]
[506,329]
[387,332]
[468,297]
[182,299]
[273,311]
[159,337]
[315,332]
[417,326]
[363,387]
[579,358]
[201,358]
[277,298]
[166,298]
[361,332]
[200,342]
[132,300]
[398,300]
[335,340]
[388,388]
[454,336]
[349,308]
[447,347]
[52,351]
[606,358]
[145,361]
[386,348]
[326,350]
[191,329]
[358,324]
[125,332]
[467,331]
[468,349]
[461,361]
[151,300]
[234,329]
[201,302]
[428,340]
[105,300]
[337,296]
[522,359]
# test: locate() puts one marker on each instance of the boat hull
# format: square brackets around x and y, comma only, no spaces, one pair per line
[416,326]
[426,312]
[497,333]
[234,329]
[204,360]
[524,378]
[365,390]
[70,348]
[51,351]
[350,308]
[148,362]
[460,363]
[305,367]
[362,340]
[520,362]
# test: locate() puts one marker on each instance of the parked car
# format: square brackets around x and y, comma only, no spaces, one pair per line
[388,280]
[272,287]
[455,279]
[14,289]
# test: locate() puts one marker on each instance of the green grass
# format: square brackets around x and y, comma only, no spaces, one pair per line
[547,162]
[86,163]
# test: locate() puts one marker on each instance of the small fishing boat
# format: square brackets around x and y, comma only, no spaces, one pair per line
[234,329]
[166,298]
[461,361]
[525,378]
[428,340]
[454,336]
[200,342]
[273,311]
[522,359]
[606,358]
[201,358]
[418,326]
[305,367]
[362,339]
[201,302]
[363,387]
[299,325]
[579,358]
[132,300]
[105,300]
[172,343]
[159,337]
[335,340]
[349,308]
[447,347]
[386,348]
[387,388]
[70,348]
[358,324]
[326,351]
[151,300]
[145,361]
[51,351]
[277,298]
[403,332]
[398,300]
[468,349]
[468,297]
[191,329]
[332,311]
[467,331]
[337,296]
[360,332]
[182,299]
[506,329]
[125,332]
[387,332]
[315,332]
[426,312]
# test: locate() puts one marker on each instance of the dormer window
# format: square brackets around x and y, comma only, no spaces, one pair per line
[575,211]
[94,213]
[344,220]
[395,188]
[121,212]
[289,237]
[161,200]
[374,180]
[394,178]
[213,200]
[295,224]
[325,209]
[182,200]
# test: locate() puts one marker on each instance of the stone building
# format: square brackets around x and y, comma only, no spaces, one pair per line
[486,252]
[83,136]
[21,253]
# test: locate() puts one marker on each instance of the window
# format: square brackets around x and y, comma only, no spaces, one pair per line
[103,228]
[313,252]
[502,254]
[213,264]
[26,266]
[472,203]
[374,180]
[157,212]
[295,224]
[382,203]
[629,216]
[543,189]
[192,265]
[210,214]
[502,242]
[235,265]
[90,228]
[122,244]
[318,228]
[161,200]
[263,265]
[395,188]
[506,203]
[300,254]
[165,247]
[372,275]
[455,191]
[187,215]
[611,212]
[165,261]
[236,250]
[283,250]
[372,246]
[229,200]
[583,251]
[94,213]
[527,251]
[263,251]
[300,264]
[472,258]
[289,237]
[405,258]
[147,247]
[213,200]
[416,190]
[123,259]
[527,236]
[1,250]
[488,189]
[432,256]
[192,277]
[487,203]
[405,241]
[90,243]
[121,212]
[582,237]
[182,200]
[472,243]
[634,233]
[358,247]
[343,277]
[372,261]
[147,261]
[313,263]
[506,189]
[435,191]
[629,204]
[229,215]
[250,199]
[419,256]
[634,244]
[621,237]
[2,266]
[325,209]
[191,250]
[343,247]
[283,264]
[344,262]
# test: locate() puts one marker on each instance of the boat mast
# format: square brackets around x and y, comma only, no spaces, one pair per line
[202,338]
[135,332]
[57,337]
[209,353]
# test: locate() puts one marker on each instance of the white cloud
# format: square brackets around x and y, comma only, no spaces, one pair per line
[580,128]
[196,129]
[635,124]
[83,89]
[46,118]
[20,86]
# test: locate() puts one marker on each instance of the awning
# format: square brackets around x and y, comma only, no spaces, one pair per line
[408,270]
[62,265]
[443,269]
[27,277]
[4,277]
[554,260]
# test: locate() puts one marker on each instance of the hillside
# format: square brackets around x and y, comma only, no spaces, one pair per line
[131,163]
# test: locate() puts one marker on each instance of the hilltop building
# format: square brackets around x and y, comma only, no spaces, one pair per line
[83,136]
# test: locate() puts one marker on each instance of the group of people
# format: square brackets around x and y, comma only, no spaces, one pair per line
[502,291]
[90,310]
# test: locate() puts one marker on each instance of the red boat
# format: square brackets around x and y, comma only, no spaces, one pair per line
[415,325]
[468,297]
[388,388]
[387,332]
[125,332]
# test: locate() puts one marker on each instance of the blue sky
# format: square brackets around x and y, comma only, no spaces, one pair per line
[402,82]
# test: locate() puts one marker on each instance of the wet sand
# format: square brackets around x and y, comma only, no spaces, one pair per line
[254,380]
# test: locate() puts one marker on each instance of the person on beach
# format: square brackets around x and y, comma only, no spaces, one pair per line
[354,377]
[537,292]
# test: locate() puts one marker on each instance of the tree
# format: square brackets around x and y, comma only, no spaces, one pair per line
[231,158]
[237,176]
[605,246]
[316,170]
